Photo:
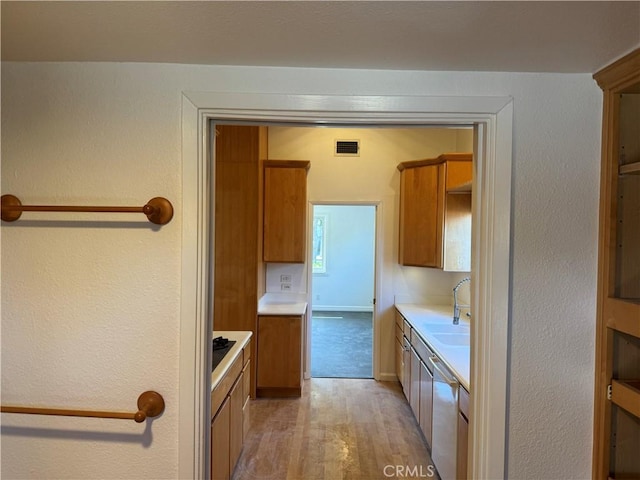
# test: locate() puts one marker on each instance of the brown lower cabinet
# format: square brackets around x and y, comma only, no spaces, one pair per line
[220,447]
[280,355]
[230,422]
[463,434]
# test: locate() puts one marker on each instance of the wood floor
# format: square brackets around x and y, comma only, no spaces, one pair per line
[356,429]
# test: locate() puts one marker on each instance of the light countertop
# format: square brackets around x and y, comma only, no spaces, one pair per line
[241,339]
[434,324]
[282,304]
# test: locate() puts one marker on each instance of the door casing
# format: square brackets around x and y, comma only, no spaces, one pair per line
[492,118]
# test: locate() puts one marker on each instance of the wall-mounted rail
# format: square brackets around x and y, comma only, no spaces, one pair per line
[158,210]
[150,404]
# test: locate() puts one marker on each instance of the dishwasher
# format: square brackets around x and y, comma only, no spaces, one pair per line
[445,420]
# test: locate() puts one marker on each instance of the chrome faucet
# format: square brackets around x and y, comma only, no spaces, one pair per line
[456,307]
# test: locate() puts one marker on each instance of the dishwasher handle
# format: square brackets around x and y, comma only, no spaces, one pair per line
[448,378]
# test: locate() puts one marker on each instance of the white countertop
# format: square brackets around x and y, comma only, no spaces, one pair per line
[282,304]
[241,339]
[434,324]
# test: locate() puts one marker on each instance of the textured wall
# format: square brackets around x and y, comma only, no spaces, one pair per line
[76,328]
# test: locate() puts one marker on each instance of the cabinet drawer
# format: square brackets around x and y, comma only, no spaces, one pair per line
[246,353]
[221,390]
[406,328]
[399,319]
[463,401]
[423,351]
[246,381]
[399,333]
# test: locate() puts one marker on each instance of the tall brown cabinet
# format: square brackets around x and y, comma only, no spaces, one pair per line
[239,279]
[616,444]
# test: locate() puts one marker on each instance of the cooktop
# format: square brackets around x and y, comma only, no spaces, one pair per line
[221,347]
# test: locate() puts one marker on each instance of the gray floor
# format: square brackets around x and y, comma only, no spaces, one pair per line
[342,344]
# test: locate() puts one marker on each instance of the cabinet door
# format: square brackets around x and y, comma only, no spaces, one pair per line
[426,401]
[285,212]
[414,395]
[421,216]
[457,233]
[220,443]
[399,358]
[235,422]
[406,368]
[280,353]
[463,447]
[246,393]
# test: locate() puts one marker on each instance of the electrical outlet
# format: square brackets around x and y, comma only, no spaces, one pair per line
[285,286]
[285,278]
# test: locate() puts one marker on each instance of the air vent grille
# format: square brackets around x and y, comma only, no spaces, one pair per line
[350,148]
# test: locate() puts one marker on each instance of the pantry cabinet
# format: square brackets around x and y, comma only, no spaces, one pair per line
[239,276]
[435,212]
[616,440]
[285,211]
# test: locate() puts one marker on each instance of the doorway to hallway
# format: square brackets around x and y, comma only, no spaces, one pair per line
[342,290]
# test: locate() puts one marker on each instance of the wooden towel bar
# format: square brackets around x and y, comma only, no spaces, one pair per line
[158,210]
[150,404]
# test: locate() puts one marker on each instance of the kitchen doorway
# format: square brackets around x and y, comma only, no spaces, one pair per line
[492,118]
[342,290]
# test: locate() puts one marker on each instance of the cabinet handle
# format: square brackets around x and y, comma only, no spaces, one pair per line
[451,381]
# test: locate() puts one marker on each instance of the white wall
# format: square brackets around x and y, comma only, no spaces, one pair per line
[347,284]
[90,311]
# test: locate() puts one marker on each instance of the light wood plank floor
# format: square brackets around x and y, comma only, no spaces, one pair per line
[355,429]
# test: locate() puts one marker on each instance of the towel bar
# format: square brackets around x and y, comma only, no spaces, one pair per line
[158,210]
[150,404]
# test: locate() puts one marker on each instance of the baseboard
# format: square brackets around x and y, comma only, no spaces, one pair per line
[388,377]
[338,308]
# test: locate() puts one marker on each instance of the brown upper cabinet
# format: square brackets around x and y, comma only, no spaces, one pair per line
[616,430]
[285,210]
[435,212]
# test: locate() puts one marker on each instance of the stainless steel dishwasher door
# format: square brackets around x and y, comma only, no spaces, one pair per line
[445,420]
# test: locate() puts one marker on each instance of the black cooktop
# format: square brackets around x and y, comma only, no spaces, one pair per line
[221,347]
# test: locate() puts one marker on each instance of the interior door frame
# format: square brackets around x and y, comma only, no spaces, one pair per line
[492,118]
[377,204]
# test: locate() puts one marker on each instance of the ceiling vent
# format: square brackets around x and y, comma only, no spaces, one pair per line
[347,148]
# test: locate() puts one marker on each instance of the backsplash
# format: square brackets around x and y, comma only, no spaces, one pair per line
[286,278]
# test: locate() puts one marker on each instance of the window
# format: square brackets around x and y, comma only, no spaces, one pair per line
[319,259]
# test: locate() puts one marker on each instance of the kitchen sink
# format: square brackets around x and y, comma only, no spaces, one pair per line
[456,339]
[447,328]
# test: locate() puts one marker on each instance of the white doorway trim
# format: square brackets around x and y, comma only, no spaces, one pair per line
[493,121]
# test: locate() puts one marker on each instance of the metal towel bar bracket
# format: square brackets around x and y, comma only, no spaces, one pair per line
[150,404]
[158,210]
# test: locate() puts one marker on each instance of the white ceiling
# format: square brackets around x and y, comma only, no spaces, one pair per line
[421,35]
